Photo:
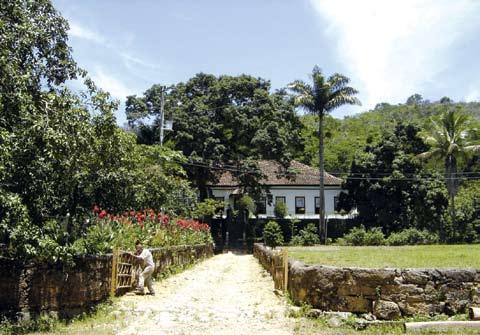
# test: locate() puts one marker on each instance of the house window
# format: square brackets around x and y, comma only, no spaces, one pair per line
[317,205]
[299,205]
[261,206]
[280,199]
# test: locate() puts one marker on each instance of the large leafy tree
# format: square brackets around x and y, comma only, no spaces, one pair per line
[389,188]
[218,121]
[61,152]
[320,98]
[449,141]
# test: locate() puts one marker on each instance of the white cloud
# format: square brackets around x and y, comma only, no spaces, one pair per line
[79,31]
[111,84]
[395,48]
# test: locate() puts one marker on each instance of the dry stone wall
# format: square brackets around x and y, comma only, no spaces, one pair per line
[29,290]
[387,293]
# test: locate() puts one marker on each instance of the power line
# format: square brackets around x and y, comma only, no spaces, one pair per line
[316,177]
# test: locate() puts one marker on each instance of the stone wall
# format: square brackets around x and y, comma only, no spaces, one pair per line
[387,293]
[29,290]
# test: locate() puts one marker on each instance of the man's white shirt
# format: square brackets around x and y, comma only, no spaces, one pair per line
[147,257]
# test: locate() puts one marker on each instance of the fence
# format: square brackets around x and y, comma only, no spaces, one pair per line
[28,290]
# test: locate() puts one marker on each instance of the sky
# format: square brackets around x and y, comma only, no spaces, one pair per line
[389,49]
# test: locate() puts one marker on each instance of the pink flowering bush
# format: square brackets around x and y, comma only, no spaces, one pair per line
[107,231]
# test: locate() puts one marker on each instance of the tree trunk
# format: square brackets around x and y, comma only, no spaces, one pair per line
[452,184]
[322,224]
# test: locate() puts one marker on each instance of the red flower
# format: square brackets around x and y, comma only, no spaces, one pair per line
[165,219]
[102,214]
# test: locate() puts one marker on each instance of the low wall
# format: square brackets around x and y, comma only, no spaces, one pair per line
[387,293]
[29,290]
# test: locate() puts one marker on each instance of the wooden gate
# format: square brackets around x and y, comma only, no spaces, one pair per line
[123,272]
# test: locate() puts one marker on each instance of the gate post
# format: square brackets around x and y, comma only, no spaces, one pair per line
[113,284]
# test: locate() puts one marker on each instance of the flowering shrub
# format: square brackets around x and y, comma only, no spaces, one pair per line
[107,231]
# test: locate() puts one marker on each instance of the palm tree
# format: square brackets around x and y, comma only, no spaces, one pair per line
[448,140]
[324,96]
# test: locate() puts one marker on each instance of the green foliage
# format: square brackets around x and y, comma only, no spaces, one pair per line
[62,152]
[360,236]
[222,120]
[450,142]
[108,231]
[388,187]
[306,237]
[208,208]
[246,203]
[272,234]
[467,223]
[280,210]
[412,236]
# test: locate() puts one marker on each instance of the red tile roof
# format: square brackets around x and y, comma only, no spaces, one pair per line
[297,174]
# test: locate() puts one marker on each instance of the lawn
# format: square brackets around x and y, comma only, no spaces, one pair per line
[422,256]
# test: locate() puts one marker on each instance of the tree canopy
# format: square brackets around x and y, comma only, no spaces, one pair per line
[222,120]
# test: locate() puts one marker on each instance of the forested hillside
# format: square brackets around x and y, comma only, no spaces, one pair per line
[346,138]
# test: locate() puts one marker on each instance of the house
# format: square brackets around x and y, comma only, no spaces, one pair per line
[299,190]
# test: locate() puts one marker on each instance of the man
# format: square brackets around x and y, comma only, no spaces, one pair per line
[145,277]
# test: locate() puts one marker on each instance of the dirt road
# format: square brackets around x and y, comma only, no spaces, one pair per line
[226,294]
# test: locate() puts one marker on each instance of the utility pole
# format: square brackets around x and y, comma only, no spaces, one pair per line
[162,104]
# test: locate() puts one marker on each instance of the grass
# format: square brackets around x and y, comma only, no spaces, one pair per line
[304,326]
[421,256]
[104,321]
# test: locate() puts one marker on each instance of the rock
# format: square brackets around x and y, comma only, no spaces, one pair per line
[358,304]
[335,322]
[314,313]
[386,310]
[368,316]
[341,315]
[374,277]
[415,277]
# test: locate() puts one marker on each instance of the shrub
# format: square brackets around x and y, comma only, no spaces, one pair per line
[412,236]
[307,236]
[247,203]
[108,231]
[375,236]
[360,236]
[272,234]
[280,210]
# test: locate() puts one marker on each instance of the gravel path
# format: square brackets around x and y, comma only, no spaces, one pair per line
[226,294]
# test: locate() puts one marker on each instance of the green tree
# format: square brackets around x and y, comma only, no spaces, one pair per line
[449,142]
[325,95]
[389,188]
[221,121]
[272,234]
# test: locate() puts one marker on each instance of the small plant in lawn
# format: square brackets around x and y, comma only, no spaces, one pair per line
[412,236]
[360,236]
[272,234]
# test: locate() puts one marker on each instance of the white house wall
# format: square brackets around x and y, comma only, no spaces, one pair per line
[290,192]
